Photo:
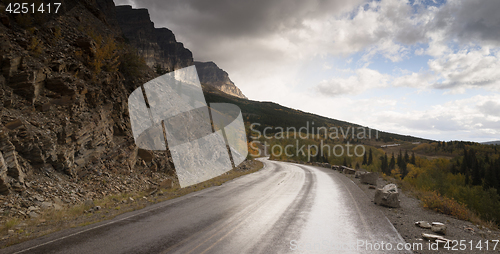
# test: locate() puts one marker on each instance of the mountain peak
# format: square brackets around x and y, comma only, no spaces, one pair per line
[211,75]
[159,47]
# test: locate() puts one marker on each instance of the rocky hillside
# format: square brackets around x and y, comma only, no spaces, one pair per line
[65,78]
[211,75]
[162,51]
[65,135]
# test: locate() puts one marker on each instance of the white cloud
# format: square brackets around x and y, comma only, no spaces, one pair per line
[465,119]
[363,80]
[468,68]
[263,46]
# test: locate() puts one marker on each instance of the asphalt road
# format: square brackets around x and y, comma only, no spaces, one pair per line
[283,208]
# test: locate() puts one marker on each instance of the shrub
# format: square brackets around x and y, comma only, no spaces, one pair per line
[131,64]
[106,56]
[36,46]
[436,202]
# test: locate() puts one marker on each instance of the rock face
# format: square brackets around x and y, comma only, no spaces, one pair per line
[211,75]
[64,127]
[387,196]
[157,46]
[65,134]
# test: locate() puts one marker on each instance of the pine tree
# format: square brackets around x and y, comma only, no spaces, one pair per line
[404,170]
[476,172]
[490,180]
[385,165]
[370,157]
[325,159]
[364,159]
[399,161]
[463,168]
[412,160]
[407,158]
[392,164]
[453,168]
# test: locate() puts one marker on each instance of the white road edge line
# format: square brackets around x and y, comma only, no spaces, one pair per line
[111,222]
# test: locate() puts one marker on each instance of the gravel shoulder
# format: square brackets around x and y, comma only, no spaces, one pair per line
[411,211]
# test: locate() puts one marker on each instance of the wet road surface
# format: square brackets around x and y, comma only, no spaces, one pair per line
[283,208]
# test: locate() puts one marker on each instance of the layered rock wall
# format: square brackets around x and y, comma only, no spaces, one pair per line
[157,46]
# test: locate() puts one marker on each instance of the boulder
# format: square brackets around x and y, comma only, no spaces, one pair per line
[387,196]
[436,238]
[349,171]
[369,178]
[89,203]
[423,224]
[359,173]
[438,227]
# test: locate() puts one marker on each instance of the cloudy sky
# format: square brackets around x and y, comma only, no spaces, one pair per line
[428,68]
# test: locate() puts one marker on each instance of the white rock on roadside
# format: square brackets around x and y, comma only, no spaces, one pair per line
[423,224]
[438,227]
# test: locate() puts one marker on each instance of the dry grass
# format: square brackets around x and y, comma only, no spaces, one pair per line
[438,203]
[9,225]
[441,204]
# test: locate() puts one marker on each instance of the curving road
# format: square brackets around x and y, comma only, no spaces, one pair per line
[283,208]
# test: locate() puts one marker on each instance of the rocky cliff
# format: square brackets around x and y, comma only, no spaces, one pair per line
[65,78]
[211,75]
[159,47]
[65,136]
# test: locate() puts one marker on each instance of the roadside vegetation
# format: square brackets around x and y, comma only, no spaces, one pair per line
[461,179]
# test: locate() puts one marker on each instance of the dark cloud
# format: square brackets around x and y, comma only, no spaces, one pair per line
[471,20]
[206,26]
[239,17]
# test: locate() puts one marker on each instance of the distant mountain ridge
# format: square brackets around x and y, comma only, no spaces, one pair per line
[497,142]
[159,47]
